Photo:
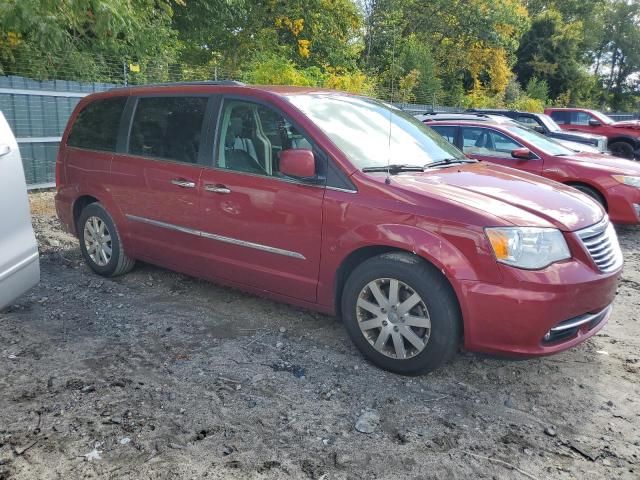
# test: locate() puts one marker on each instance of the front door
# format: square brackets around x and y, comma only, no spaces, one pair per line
[155,180]
[492,146]
[260,228]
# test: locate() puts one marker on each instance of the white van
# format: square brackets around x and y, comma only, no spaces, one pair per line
[19,262]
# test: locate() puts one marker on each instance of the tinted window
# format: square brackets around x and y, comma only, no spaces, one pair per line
[97,125]
[448,132]
[168,127]
[252,137]
[560,117]
[481,141]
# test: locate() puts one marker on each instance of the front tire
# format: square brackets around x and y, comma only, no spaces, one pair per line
[100,242]
[622,149]
[593,193]
[401,313]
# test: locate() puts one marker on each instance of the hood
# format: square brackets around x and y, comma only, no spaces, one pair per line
[586,136]
[578,147]
[632,124]
[516,197]
[612,165]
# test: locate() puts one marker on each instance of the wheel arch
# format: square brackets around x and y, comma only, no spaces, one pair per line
[80,204]
[431,248]
[360,255]
[582,183]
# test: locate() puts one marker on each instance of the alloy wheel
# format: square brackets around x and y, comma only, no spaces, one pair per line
[97,241]
[393,318]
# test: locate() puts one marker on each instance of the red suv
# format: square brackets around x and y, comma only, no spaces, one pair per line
[623,137]
[612,182]
[339,204]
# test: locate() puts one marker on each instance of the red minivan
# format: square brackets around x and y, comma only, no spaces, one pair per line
[340,204]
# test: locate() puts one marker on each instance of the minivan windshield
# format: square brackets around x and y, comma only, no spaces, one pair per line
[374,134]
[546,144]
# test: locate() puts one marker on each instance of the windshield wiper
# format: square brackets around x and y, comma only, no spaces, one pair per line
[449,161]
[394,168]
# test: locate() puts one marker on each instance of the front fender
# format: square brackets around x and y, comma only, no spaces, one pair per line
[459,252]
[450,249]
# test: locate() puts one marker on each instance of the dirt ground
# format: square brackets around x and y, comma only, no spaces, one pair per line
[155,375]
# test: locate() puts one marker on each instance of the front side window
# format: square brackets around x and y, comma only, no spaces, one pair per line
[168,128]
[253,136]
[580,118]
[448,132]
[97,125]
[481,141]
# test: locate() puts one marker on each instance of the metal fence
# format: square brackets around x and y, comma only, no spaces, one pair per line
[38,111]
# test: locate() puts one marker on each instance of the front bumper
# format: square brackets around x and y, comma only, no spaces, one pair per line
[513,318]
[622,203]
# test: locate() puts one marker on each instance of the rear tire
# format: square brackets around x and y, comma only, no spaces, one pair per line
[421,321]
[622,149]
[100,242]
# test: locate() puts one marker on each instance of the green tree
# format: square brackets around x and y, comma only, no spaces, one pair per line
[550,51]
[84,39]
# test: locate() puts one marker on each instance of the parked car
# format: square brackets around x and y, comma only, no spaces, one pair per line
[488,117]
[545,125]
[613,182]
[623,137]
[19,261]
[340,204]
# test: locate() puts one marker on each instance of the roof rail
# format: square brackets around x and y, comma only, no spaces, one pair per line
[178,84]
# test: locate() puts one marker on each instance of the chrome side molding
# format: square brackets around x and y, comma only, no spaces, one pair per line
[219,238]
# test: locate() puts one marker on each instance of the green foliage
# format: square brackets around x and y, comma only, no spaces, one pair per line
[527,104]
[538,89]
[448,52]
[83,39]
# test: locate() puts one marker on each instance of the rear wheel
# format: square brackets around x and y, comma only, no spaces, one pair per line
[622,149]
[401,313]
[100,242]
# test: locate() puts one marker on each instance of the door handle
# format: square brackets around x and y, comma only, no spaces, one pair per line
[217,189]
[181,182]
[4,149]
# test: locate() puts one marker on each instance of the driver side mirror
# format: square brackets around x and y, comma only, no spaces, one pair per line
[298,163]
[522,153]
[538,128]
[594,123]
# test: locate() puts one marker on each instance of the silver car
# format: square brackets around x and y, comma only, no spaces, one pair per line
[19,261]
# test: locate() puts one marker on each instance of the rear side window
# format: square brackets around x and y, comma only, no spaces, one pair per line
[168,128]
[96,126]
[561,117]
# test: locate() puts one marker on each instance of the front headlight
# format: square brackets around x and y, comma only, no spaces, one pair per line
[528,247]
[628,180]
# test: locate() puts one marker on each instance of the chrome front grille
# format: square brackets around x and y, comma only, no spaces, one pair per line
[601,242]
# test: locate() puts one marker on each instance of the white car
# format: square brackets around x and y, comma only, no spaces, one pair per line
[19,261]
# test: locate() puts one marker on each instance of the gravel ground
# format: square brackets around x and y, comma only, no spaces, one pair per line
[161,376]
